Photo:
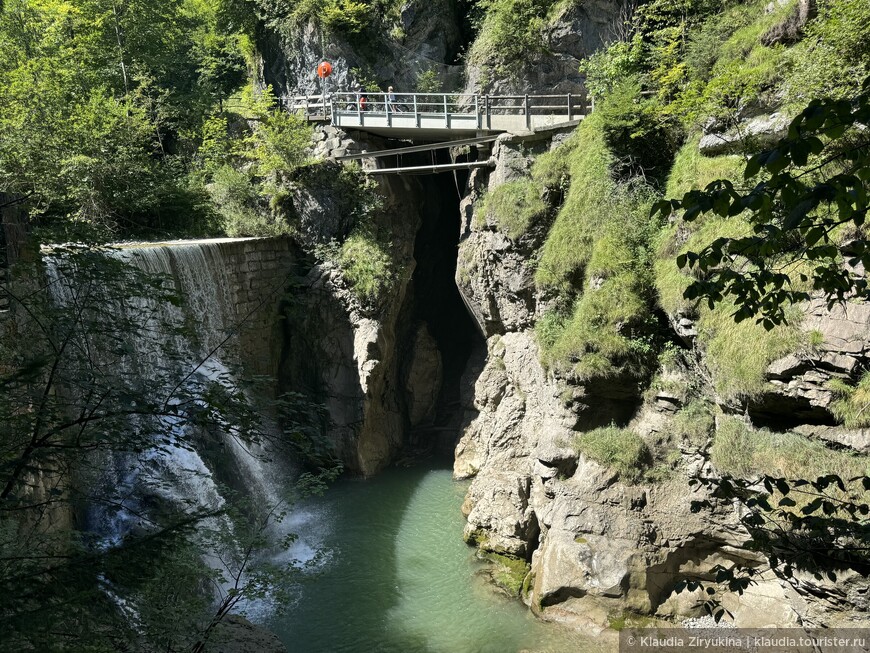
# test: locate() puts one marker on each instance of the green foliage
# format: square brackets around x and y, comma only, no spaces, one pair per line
[852,407]
[99,103]
[607,67]
[569,243]
[596,340]
[621,450]
[514,206]
[598,244]
[349,18]
[740,371]
[511,30]
[250,174]
[279,144]
[693,171]
[641,138]
[242,208]
[743,452]
[810,197]
[834,59]
[508,572]
[368,265]
[704,58]
[428,81]
[693,424]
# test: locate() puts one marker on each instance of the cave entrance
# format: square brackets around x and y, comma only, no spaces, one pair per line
[439,305]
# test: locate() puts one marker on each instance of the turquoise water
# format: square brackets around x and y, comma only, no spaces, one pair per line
[397,578]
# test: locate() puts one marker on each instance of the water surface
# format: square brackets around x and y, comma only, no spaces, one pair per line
[397,577]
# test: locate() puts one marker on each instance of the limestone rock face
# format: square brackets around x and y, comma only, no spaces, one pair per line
[346,355]
[798,383]
[423,378]
[577,31]
[762,130]
[494,274]
[597,545]
[426,38]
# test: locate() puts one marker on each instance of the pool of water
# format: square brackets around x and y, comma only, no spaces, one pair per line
[396,577]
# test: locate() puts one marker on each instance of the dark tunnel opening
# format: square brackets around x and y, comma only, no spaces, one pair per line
[437,301]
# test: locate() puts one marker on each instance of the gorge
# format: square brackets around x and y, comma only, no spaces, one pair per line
[296,406]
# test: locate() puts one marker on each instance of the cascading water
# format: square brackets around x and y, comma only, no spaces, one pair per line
[194,341]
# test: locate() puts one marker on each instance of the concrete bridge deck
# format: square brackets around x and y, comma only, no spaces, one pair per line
[441,116]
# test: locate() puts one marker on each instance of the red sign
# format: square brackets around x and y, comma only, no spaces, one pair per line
[324,70]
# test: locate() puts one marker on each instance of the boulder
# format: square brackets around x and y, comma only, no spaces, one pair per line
[761,131]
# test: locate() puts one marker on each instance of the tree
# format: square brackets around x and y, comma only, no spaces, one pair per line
[101,104]
[95,375]
[809,204]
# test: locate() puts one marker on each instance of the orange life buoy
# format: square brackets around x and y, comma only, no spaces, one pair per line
[324,70]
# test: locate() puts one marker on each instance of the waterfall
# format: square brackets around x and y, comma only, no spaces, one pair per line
[200,331]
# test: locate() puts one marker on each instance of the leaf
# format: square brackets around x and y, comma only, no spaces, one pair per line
[753,166]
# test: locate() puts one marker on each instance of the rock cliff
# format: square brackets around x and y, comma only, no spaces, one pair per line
[598,546]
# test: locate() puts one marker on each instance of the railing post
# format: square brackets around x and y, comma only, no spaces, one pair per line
[307,112]
[528,114]
[592,105]
[416,113]
[569,107]
[477,109]
[446,115]
[486,109]
[331,108]
[359,108]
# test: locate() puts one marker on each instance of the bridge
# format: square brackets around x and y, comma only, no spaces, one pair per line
[441,116]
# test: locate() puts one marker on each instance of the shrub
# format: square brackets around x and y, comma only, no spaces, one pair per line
[513,206]
[510,33]
[641,137]
[280,143]
[621,450]
[367,265]
[834,59]
[240,205]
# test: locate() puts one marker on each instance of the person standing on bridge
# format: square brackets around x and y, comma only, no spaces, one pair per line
[362,100]
[391,100]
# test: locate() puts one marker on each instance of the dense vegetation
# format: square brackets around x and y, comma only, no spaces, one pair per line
[136,118]
[676,70]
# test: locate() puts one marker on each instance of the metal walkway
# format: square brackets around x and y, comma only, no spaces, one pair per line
[441,116]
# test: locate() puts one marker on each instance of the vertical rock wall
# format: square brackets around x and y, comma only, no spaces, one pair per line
[599,547]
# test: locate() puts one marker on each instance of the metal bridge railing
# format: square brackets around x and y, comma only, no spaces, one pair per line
[444,110]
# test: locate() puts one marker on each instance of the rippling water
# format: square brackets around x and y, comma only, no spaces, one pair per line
[397,577]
